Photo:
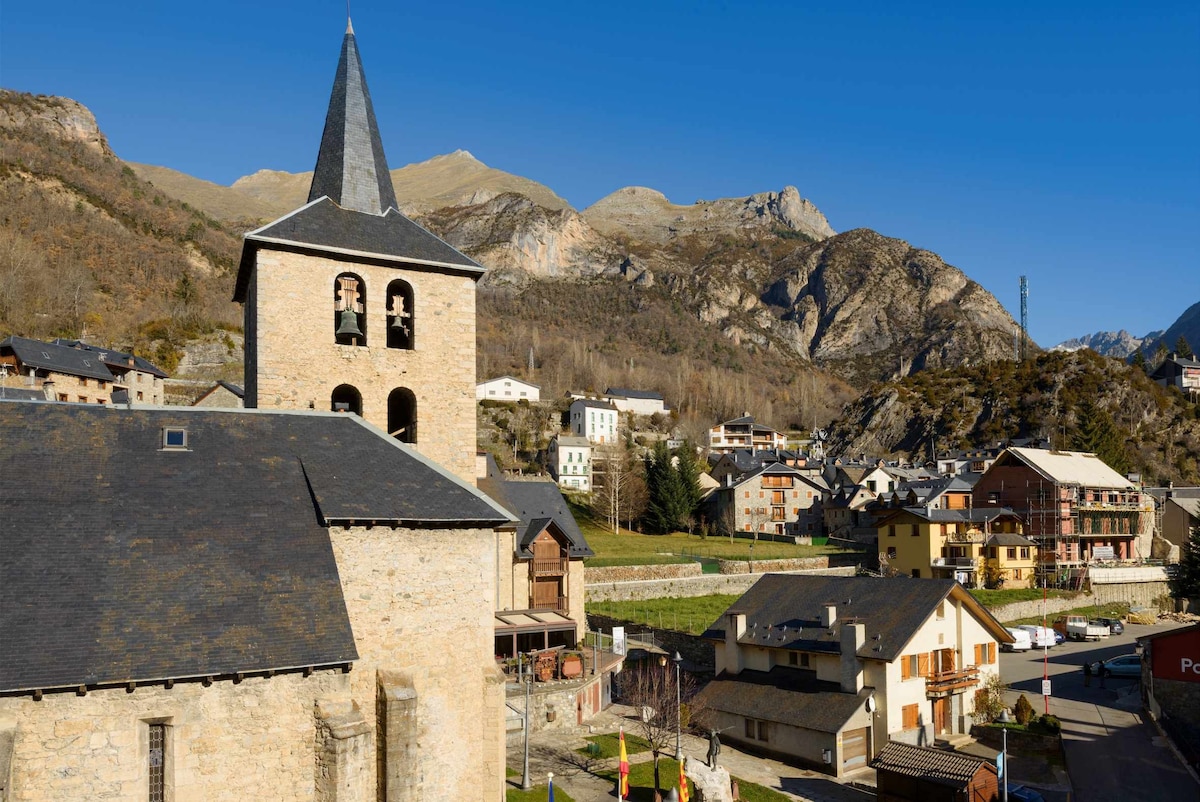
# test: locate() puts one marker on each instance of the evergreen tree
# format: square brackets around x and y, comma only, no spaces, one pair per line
[1139,360]
[1186,584]
[1096,432]
[1182,349]
[673,489]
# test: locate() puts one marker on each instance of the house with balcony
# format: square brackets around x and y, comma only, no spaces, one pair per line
[744,433]
[950,544]
[1074,507]
[73,371]
[539,600]
[570,462]
[1179,372]
[825,671]
[776,499]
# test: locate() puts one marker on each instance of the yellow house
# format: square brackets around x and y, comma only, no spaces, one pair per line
[925,542]
[1011,559]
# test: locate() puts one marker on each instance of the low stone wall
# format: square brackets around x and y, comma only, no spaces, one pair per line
[640,573]
[790,565]
[686,587]
[1021,741]
[1031,609]
[1135,594]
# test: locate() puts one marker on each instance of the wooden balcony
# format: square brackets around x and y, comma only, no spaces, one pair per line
[943,682]
[550,566]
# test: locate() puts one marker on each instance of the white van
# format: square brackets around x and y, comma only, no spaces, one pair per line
[1022,642]
[1041,637]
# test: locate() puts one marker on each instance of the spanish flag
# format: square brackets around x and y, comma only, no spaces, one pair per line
[684,796]
[623,783]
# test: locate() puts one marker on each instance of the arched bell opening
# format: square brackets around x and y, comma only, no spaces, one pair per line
[349,310]
[400,316]
[402,415]
[346,398]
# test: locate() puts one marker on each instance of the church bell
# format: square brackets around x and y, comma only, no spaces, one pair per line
[349,325]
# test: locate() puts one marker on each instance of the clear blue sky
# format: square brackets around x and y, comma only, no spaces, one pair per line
[1057,140]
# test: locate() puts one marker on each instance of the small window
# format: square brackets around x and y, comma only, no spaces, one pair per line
[916,572]
[793,659]
[1012,553]
[174,438]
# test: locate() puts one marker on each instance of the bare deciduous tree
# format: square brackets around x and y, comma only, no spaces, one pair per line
[652,691]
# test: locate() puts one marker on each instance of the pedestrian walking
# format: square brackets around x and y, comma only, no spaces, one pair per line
[1087,674]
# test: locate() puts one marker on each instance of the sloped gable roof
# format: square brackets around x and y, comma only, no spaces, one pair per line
[1070,467]
[939,765]
[537,504]
[784,696]
[127,562]
[58,358]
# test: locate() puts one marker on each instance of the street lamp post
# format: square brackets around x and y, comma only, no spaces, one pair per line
[526,784]
[1004,751]
[678,660]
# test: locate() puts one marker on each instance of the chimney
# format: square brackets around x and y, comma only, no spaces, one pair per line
[853,637]
[48,389]
[735,628]
[828,614]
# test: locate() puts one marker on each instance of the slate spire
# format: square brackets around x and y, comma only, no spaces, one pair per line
[351,168]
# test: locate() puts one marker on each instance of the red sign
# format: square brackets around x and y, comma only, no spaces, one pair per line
[1177,657]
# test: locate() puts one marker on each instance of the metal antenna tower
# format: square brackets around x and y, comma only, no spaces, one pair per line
[1024,319]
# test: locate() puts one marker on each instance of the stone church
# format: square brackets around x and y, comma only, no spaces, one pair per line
[278,603]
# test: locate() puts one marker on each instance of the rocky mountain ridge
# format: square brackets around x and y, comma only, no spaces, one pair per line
[1119,344]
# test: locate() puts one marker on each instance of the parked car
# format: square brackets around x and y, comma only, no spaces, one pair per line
[1114,625]
[1040,637]
[1022,642]
[1022,793]
[1059,637]
[1127,665]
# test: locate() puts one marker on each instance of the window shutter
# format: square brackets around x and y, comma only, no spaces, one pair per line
[923,664]
[905,667]
[978,654]
[991,647]
[910,716]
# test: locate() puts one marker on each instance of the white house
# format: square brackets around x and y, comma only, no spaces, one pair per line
[827,670]
[595,420]
[639,402]
[507,388]
[570,461]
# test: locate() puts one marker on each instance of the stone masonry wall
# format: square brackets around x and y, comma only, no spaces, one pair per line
[227,742]
[297,363]
[686,587]
[633,573]
[1135,594]
[421,606]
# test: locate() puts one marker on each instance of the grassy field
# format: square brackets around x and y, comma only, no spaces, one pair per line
[539,793]
[1119,610]
[632,548]
[995,598]
[692,615]
[609,745]
[641,782]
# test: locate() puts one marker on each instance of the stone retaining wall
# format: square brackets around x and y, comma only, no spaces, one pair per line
[1030,609]
[1135,594]
[637,573]
[686,587]
[790,565]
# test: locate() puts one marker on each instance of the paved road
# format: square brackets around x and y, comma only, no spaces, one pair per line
[1112,753]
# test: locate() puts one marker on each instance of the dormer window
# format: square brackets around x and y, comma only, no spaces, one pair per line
[174,438]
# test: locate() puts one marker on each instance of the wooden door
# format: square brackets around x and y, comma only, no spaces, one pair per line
[546,592]
[941,716]
[854,749]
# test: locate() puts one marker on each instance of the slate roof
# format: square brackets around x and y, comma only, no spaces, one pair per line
[536,503]
[784,695]
[593,403]
[23,394]
[976,515]
[127,562]
[939,765]
[323,227]
[1008,539]
[114,358]
[783,611]
[351,168]
[572,440]
[58,358]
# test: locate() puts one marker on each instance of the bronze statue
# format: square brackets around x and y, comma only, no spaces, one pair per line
[714,748]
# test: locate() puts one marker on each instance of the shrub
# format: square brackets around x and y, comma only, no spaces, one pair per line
[1023,710]
[1048,724]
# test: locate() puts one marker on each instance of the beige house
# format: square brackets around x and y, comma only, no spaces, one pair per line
[74,372]
[776,499]
[826,670]
[744,433]
[954,544]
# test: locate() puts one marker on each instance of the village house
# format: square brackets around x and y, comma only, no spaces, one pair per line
[1180,372]
[955,544]
[744,433]
[594,420]
[507,388]
[1170,685]
[222,395]
[638,402]
[80,373]
[775,499]
[847,514]
[570,462]
[1178,511]
[1074,507]
[741,461]
[827,670]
